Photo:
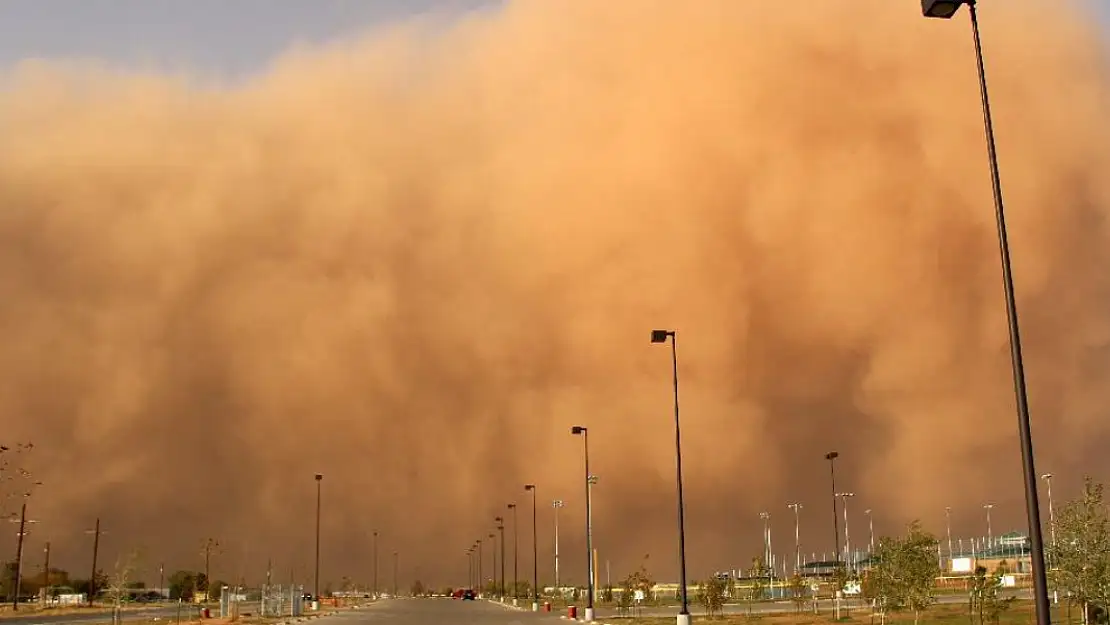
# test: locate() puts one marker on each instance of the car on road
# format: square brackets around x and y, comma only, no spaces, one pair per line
[468,595]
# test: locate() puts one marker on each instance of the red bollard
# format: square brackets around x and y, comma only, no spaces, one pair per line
[572,612]
[546,606]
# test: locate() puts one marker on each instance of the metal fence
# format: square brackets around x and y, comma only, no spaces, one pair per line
[278,600]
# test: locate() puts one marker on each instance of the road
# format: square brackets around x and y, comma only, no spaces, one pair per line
[437,612]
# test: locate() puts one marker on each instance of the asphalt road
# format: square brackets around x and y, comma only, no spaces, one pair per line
[437,611]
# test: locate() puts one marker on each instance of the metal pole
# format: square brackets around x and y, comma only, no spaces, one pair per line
[162,578]
[556,505]
[871,531]
[375,564]
[316,576]
[395,586]
[46,574]
[16,587]
[797,538]
[481,579]
[948,528]
[589,532]
[831,457]
[535,559]
[1051,509]
[1032,503]
[516,549]
[96,549]
[847,538]
[684,613]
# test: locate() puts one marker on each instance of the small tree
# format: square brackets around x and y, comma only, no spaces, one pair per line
[713,595]
[904,572]
[418,589]
[757,590]
[624,601]
[120,582]
[1082,551]
[798,592]
[918,563]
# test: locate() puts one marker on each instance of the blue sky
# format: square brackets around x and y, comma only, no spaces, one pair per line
[222,37]
[216,37]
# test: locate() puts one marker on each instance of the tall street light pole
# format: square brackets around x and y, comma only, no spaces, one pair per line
[660,336]
[1047,477]
[871,532]
[584,432]
[493,541]
[948,528]
[558,503]
[501,530]
[481,578]
[766,516]
[396,557]
[375,593]
[797,536]
[946,9]
[990,533]
[316,577]
[831,457]
[847,539]
[535,553]
[516,551]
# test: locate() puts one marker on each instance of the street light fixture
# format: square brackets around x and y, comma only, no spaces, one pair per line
[535,553]
[657,337]
[582,431]
[947,9]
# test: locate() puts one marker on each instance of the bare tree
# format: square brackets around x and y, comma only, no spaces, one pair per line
[126,570]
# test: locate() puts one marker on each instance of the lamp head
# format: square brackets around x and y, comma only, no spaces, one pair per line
[319,476]
[1046,476]
[943,9]
[529,487]
[498,519]
[512,506]
[832,455]
[578,429]
[660,336]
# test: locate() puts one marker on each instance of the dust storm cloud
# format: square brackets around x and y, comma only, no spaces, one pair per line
[412,261]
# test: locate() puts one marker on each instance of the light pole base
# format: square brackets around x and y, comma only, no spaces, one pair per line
[589,615]
[682,619]
[514,602]
[535,607]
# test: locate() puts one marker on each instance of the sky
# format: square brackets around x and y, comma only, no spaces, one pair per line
[411,263]
[213,37]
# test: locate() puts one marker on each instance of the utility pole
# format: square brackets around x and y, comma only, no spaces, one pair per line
[96,549]
[210,545]
[161,579]
[375,593]
[19,557]
[46,573]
